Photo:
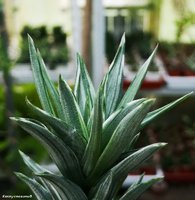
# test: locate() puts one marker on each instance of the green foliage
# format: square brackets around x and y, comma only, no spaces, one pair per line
[10,157]
[186,20]
[89,135]
[138,46]
[141,42]
[178,58]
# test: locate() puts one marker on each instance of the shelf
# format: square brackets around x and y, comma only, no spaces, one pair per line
[155,85]
[22,73]
[167,91]
[161,84]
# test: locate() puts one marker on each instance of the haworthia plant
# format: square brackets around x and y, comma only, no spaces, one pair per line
[89,135]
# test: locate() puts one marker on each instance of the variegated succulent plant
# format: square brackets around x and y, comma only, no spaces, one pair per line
[89,134]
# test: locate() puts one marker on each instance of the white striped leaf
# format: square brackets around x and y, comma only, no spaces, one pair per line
[66,189]
[122,136]
[137,190]
[127,165]
[36,168]
[93,148]
[71,109]
[137,81]
[39,80]
[32,165]
[54,94]
[114,80]
[83,89]
[39,191]
[65,132]
[113,121]
[132,162]
[158,112]
[62,155]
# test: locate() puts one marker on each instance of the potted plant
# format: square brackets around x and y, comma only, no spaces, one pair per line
[177,159]
[89,135]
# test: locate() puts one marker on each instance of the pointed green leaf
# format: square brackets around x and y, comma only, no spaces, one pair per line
[32,165]
[137,81]
[62,155]
[51,189]
[65,132]
[93,148]
[112,122]
[54,95]
[132,162]
[66,189]
[36,168]
[141,178]
[83,89]
[137,190]
[158,112]
[114,82]
[39,80]
[133,141]
[39,191]
[71,109]
[123,168]
[122,136]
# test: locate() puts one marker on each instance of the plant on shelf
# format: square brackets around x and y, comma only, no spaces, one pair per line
[41,35]
[89,135]
[180,154]
[58,48]
[139,47]
[177,58]
[53,44]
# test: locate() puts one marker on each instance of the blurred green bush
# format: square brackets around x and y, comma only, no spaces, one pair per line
[10,160]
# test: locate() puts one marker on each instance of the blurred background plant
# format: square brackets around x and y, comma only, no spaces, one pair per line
[10,160]
[179,156]
[53,46]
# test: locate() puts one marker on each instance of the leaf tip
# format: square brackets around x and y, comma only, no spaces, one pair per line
[14,119]
[162,144]
[19,175]
[21,153]
[29,38]
[149,101]
[192,92]
[123,38]
[27,101]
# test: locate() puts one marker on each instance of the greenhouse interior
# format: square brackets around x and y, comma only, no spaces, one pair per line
[157,35]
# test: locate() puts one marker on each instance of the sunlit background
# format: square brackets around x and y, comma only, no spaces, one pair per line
[60,29]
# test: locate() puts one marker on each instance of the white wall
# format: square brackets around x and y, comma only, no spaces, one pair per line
[35,13]
[38,12]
